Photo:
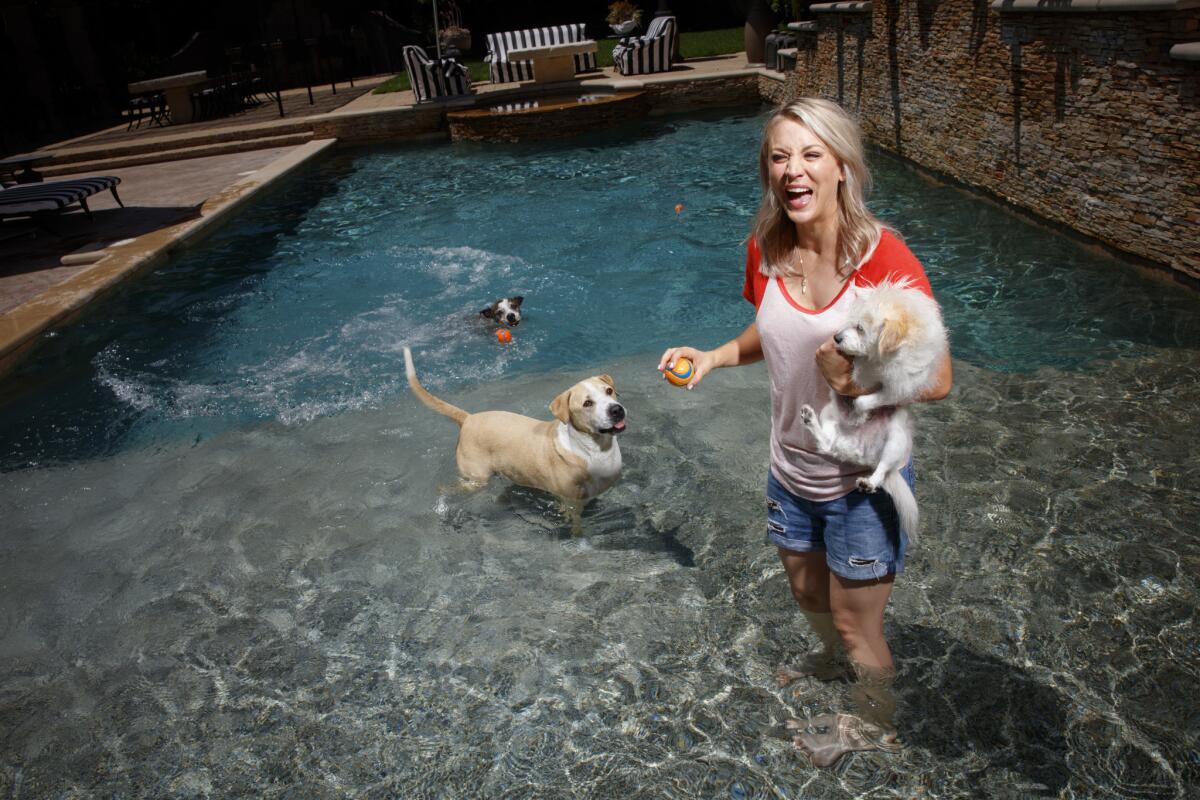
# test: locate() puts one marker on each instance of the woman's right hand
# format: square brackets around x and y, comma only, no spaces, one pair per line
[703,361]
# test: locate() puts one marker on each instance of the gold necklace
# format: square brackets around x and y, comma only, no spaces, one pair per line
[803,277]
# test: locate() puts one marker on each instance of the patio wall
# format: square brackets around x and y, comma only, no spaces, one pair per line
[1082,118]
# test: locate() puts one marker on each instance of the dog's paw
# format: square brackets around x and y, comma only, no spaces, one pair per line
[866,487]
[808,416]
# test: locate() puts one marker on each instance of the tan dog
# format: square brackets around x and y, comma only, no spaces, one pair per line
[576,457]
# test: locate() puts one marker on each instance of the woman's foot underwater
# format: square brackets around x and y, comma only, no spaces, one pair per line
[822,666]
[826,664]
[825,739]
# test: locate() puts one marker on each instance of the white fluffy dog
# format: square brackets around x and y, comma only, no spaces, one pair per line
[895,336]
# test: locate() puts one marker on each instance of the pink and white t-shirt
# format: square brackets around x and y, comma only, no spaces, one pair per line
[790,337]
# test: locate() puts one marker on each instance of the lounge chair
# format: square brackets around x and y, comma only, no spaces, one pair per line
[432,79]
[56,196]
[638,55]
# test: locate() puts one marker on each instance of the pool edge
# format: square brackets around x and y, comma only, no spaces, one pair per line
[21,327]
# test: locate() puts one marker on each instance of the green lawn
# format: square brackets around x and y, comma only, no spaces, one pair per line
[699,44]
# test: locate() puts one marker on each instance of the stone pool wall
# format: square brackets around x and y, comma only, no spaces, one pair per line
[690,93]
[554,117]
[1080,117]
[367,127]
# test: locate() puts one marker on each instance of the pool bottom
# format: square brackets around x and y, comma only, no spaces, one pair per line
[304,607]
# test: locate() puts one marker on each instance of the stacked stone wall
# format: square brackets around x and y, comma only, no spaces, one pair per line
[555,120]
[1080,118]
[686,95]
[363,127]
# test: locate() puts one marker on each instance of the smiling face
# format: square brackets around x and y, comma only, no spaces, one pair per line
[591,406]
[804,174]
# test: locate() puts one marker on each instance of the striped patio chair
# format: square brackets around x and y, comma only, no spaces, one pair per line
[501,70]
[432,79]
[55,196]
[638,55]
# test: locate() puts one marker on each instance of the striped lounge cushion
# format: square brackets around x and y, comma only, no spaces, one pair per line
[59,193]
[431,79]
[501,70]
[649,53]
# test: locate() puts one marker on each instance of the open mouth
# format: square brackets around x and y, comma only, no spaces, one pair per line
[616,428]
[798,197]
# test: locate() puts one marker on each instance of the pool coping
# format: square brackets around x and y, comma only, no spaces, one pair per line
[21,328]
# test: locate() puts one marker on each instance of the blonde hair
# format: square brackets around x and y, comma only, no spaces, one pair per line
[858,229]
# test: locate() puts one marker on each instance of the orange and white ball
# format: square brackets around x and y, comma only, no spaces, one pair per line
[680,372]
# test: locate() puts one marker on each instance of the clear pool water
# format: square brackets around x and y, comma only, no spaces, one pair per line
[228,564]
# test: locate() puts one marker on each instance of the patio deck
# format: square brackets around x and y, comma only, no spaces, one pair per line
[295,107]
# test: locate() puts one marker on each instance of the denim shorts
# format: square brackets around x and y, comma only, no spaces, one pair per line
[860,533]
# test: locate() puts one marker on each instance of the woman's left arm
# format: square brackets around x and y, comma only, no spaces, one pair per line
[838,370]
[941,385]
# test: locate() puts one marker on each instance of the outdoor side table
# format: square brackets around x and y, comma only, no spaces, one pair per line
[554,62]
[26,162]
[177,89]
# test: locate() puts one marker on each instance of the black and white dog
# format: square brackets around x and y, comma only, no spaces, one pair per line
[505,311]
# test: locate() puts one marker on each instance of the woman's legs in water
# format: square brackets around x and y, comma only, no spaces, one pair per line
[808,576]
[857,608]
[852,612]
[858,616]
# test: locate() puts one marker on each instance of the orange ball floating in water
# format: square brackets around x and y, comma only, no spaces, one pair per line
[678,207]
[503,336]
[680,373]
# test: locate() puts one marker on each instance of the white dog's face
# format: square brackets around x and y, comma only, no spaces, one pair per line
[591,406]
[506,311]
[877,326]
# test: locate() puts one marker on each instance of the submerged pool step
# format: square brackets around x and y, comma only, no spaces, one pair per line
[111,162]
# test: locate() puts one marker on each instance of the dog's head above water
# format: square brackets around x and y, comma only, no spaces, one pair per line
[506,311]
[889,317]
[591,406]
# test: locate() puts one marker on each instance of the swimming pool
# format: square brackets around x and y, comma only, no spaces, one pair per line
[228,565]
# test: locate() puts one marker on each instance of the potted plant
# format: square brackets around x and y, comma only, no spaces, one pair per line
[453,36]
[623,17]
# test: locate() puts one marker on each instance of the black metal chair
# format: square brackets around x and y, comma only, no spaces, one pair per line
[151,108]
[264,80]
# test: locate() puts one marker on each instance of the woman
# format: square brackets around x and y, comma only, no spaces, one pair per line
[813,242]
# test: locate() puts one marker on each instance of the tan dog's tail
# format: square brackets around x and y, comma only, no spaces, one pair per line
[441,406]
[906,504]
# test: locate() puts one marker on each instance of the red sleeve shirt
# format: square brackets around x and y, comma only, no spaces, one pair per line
[892,260]
[756,282]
